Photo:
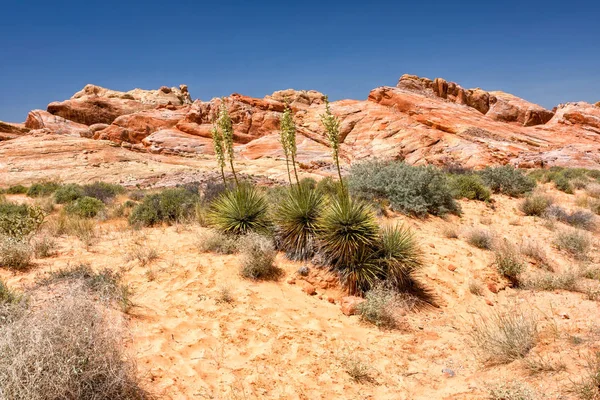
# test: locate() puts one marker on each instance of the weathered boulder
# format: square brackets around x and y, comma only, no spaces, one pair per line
[510,108]
[40,119]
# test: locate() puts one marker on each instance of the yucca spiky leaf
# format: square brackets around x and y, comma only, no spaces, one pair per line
[239,211]
[296,218]
[402,258]
[361,273]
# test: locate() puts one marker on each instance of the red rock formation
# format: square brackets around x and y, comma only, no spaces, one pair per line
[39,119]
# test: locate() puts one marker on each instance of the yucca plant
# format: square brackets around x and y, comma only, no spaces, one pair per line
[217,138]
[240,210]
[296,218]
[348,234]
[225,126]
[402,258]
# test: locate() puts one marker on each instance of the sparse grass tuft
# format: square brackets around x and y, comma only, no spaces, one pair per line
[382,307]
[549,282]
[450,231]
[475,288]
[508,262]
[44,246]
[481,239]
[225,296]
[511,391]
[578,244]
[588,388]
[537,253]
[504,336]
[539,364]
[15,254]
[358,370]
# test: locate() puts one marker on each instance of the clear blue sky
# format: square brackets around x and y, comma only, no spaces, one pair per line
[545,51]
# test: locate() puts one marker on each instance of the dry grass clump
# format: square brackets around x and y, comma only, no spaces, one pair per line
[217,242]
[475,288]
[578,219]
[141,252]
[504,336]
[258,258]
[511,391]
[15,253]
[588,388]
[68,349]
[549,282]
[536,252]
[578,244]
[508,262]
[480,238]
[82,228]
[225,296]
[105,283]
[539,364]
[383,307]
[450,231]
[359,370]
[44,247]
[593,190]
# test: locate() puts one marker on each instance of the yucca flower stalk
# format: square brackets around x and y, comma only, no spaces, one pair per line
[225,126]
[288,141]
[332,131]
[217,138]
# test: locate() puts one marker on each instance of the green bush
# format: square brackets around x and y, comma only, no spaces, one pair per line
[42,189]
[258,257]
[170,205]
[68,193]
[563,184]
[469,186]
[536,204]
[103,191]
[507,180]
[296,219]
[412,190]
[17,189]
[239,211]
[85,207]
[19,220]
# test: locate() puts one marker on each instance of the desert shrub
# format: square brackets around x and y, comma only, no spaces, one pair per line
[481,239]
[579,219]
[593,190]
[504,336]
[212,190]
[44,246]
[68,349]
[347,233]
[239,211]
[85,207]
[507,180]
[42,189]
[170,205]
[549,282]
[508,262]
[359,370]
[103,191]
[105,283]
[536,204]
[382,307]
[19,220]
[17,189]
[563,184]
[68,193]
[296,219]
[217,242]
[309,183]
[576,243]
[535,251]
[137,195]
[82,228]
[258,257]
[412,190]
[15,253]
[595,207]
[328,186]
[142,252]
[469,186]
[450,231]
[8,295]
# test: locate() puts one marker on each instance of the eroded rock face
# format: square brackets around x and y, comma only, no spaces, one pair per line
[10,131]
[421,121]
[97,105]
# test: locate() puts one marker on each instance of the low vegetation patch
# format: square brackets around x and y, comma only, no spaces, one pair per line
[509,262]
[102,191]
[578,219]
[19,220]
[511,391]
[549,282]
[68,349]
[85,207]
[507,180]
[588,388]
[15,253]
[68,193]
[42,189]
[578,244]
[258,258]
[17,189]
[469,186]
[504,336]
[480,238]
[411,190]
[536,204]
[383,307]
[44,246]
[170,206]
[217,242]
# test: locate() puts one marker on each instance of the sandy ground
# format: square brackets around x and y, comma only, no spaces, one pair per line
[276,342]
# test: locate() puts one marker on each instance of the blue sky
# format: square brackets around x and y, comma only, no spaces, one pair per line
[545,51]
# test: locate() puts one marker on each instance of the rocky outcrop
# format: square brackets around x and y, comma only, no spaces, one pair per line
[499,106]
[97,105]
[10,131]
